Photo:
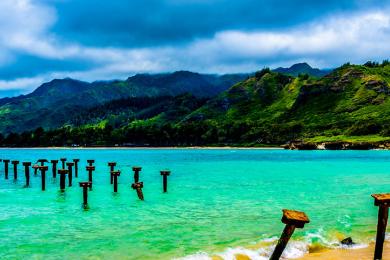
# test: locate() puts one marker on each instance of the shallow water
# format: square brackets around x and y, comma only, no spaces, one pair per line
[218,201]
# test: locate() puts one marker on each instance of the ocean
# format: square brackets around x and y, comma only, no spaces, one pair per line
[220,202]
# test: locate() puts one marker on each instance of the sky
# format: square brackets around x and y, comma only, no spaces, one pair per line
[102,40]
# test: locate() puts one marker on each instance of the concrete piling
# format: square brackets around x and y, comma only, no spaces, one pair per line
[15,164]
[115,175]
[138,187]
[136,170]
[70,173]
[293,219]
[27,172]
[90,162]
[6,162]
[43,170]
[383,202]
[42,162]
[63,160]
[85,185]
[76,167]
[112,166]
[54,167]
[90,170]
[165,175]
[62,173]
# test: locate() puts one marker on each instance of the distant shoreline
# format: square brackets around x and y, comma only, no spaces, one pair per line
[151,148]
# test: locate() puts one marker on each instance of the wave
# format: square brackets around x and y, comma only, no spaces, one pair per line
[262,250]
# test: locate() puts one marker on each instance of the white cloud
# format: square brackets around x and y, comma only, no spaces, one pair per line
[358,37]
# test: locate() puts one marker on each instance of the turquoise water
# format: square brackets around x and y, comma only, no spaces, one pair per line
[217,202]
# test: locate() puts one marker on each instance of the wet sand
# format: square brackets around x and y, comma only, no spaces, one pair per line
[366,253]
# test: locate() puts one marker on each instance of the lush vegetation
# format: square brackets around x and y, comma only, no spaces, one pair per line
[352,103]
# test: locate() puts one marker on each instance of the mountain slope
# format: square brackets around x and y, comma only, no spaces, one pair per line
[302,68]
[54,103]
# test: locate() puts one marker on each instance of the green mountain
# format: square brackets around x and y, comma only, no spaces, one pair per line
[302,68]
[350,104]
[56,102]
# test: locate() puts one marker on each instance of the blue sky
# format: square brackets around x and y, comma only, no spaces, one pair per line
[98,40]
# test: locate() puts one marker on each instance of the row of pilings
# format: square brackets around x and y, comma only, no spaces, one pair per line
[70,169]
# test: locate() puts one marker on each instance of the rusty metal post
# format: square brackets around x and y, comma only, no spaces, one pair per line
[90,169]
[112,166]
[15,164]
[293,219]
[85,185]
[136,170]
[43,170]
[54,168]
[62,173]
[165,175]
[383,202]
[6,162]
[138,187]
[76,167]
[63,160]
[115,175]
[27,172]
[70,177]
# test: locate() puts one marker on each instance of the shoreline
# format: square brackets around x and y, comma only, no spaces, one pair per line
[150,148]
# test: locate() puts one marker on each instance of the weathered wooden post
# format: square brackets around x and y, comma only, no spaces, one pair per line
[43,170]
[85,186]
[165,175]
[138,187]
[90,169]
[112,166]
[27,172]
[42,161]
[293,219]
[76,167]
[35,167]
[62,173]
[70,177]
[6,162]
[136,170]
[115,175]
[54,168]
[90,162]
[63,160]
[383,202]
[15,163]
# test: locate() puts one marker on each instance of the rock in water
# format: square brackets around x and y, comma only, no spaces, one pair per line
[347,241]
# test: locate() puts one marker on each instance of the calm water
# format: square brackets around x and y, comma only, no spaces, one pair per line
[218,202]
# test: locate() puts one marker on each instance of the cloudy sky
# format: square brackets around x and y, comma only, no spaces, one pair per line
[99,39]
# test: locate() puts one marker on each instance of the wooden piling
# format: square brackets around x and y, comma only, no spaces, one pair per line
[27,172]
[35,167]
[54,167]
[15,164]
[165,175]
[85,185]
[62,173]
[383,202]
[136,170]
[112,166]
[293,219]
[6,162]
[138,187]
